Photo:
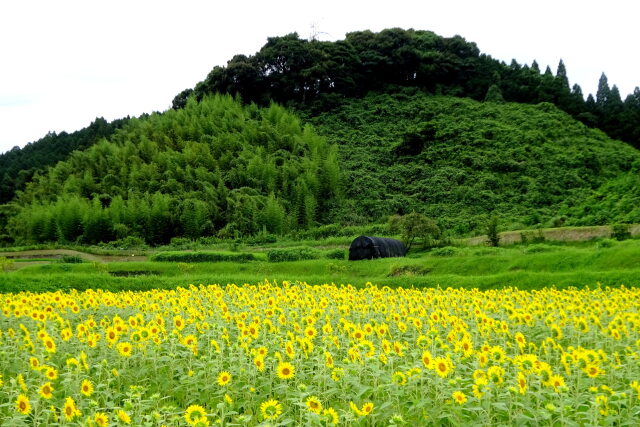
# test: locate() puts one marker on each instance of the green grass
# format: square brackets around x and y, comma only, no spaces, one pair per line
[527,267]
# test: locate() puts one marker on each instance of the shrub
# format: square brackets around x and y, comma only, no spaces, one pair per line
[181,242]
[71,259]
[445,251]
[538,248]
[493,237]
[5,264]
[620,232]
[187,257]
[605,243]
[336,254]
[129,242]
[532,237]
[293,254]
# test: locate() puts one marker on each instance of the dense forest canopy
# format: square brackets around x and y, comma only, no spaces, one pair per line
[18,165]
[316,75]
[460,160]
[211,168]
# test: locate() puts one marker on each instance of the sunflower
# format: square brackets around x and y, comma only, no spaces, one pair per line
[23,405]
[285,371]
[49,345]
[314,404]
[442,366]
[86,388]
[459,397]
[522,383]
[194,413]
[46,390]
[70,409]
[34,363]
[271,409]
[310,332]
[399,378]
[123,416]
[328,360]
[101,419]
[224,378]
[556,381]
[367,408]
[124,348]
[258,361]
[51,373]
[331,416]
[592,370]
[427,359]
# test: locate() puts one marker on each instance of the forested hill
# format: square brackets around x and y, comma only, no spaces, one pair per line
[19,165]
[218,168]
[213,167]
[314,76]
[459,161]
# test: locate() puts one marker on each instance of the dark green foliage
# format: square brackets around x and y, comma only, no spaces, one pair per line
[414,226]
[493,236]
[317,76]
[19,165]
[444,251]
[620,231]
[202,257]
[211,168]
[494,94]
[293,254]
[71,259]
[527,163]
[527,237]
[336,254]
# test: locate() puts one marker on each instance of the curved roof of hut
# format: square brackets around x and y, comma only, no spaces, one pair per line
[374,247]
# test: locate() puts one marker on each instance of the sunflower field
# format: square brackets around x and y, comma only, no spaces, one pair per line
[300,354]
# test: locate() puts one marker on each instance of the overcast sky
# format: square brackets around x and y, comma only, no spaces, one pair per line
[63,63]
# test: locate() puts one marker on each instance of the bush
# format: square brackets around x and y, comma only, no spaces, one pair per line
[493,237]
[129,242]
[181,243]
[336,254]
[532,237]
[261,239]
[605,243]
[444,251]
[5,264]
[293,254]
[187,257]
[620,232]
[538,248]
[71,259]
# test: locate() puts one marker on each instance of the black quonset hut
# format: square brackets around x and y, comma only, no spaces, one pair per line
[367,247]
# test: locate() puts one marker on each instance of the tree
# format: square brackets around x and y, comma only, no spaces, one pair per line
[561,76]
[494,94]
[493,237]
[418,226]
[603,93]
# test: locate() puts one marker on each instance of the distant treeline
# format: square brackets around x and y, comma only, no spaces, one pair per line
[18,165]
[317,75]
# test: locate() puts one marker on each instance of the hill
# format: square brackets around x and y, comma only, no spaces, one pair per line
[19,165]
[218,168]
[459,160]
[212,167]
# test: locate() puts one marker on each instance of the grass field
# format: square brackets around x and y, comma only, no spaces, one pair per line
[579,264]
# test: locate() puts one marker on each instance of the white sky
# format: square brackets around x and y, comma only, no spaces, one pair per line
[65,62]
